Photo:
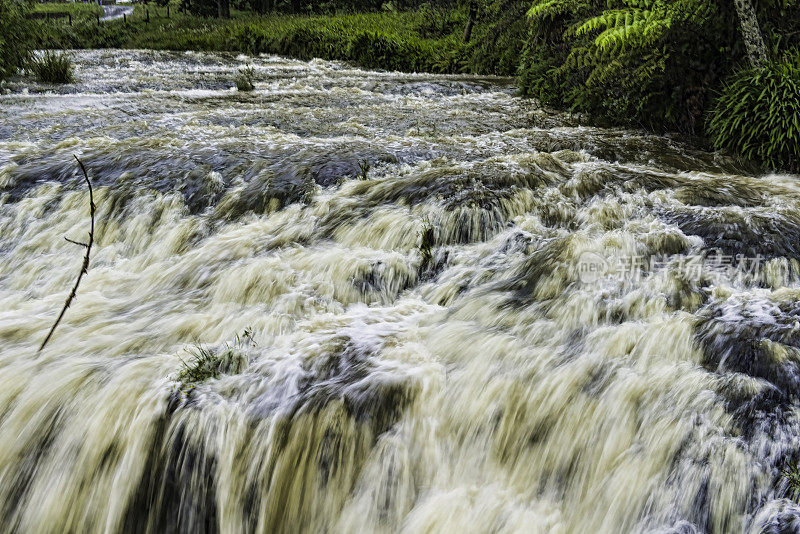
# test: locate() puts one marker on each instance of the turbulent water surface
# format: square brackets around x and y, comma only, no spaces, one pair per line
[424,305]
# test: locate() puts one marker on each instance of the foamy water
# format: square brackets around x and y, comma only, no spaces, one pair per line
[388,268]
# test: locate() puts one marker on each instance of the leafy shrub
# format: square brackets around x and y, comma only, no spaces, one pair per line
[249,38]
[308,41]
[496,43]
[244,79]
[758,114]
[376,51]
[52,67]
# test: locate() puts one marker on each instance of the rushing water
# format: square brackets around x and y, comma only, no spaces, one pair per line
[430,350]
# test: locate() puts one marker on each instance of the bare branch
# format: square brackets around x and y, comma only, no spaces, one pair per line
[85,266]
[76,242]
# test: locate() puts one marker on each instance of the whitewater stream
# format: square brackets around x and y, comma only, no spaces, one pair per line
[425,305]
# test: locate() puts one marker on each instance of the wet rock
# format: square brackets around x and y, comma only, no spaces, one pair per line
[761,340]
[778,517]
[740,232]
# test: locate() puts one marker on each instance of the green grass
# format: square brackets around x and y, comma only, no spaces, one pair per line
[76,9]
[410,41]
[52,67]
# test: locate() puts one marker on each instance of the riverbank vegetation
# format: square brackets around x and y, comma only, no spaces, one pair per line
[425,39]
[758,114]
[663,65]
[79,10]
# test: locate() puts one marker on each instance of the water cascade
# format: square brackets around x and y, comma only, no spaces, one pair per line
[353,301]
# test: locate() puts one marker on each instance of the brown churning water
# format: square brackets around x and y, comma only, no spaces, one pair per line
[427,305]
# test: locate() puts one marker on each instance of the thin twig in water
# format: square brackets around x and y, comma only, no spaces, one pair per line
[85,266]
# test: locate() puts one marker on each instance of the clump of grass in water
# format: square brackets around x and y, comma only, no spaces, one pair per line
[363,167]
[208,363]
[244,79]
[52,67]
[426,244]
[790,476]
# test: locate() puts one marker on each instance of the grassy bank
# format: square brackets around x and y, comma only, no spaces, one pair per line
[424,40]
[78,10]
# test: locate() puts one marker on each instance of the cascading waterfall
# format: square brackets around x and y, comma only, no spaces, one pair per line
[421,347]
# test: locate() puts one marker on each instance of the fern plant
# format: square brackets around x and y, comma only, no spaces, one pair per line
[650,63]
[643,23]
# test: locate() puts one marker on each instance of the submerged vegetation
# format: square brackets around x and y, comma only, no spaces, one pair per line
[664,65]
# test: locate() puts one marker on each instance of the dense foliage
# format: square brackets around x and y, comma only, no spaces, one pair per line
[421,40]
[497,42]
[308,7]
[14,36]
[758,114]
[653,63]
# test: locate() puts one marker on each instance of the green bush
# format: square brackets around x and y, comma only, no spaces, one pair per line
[52,67]
[758,114]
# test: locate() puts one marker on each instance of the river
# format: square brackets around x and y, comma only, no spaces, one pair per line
[430,306]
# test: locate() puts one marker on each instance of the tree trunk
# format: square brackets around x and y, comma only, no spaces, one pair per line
[751,33]
[471,16]
[224,9]
[263,7]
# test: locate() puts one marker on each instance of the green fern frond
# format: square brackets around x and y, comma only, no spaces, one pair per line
[543,9]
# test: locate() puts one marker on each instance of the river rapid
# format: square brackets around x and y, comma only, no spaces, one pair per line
[430,306]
